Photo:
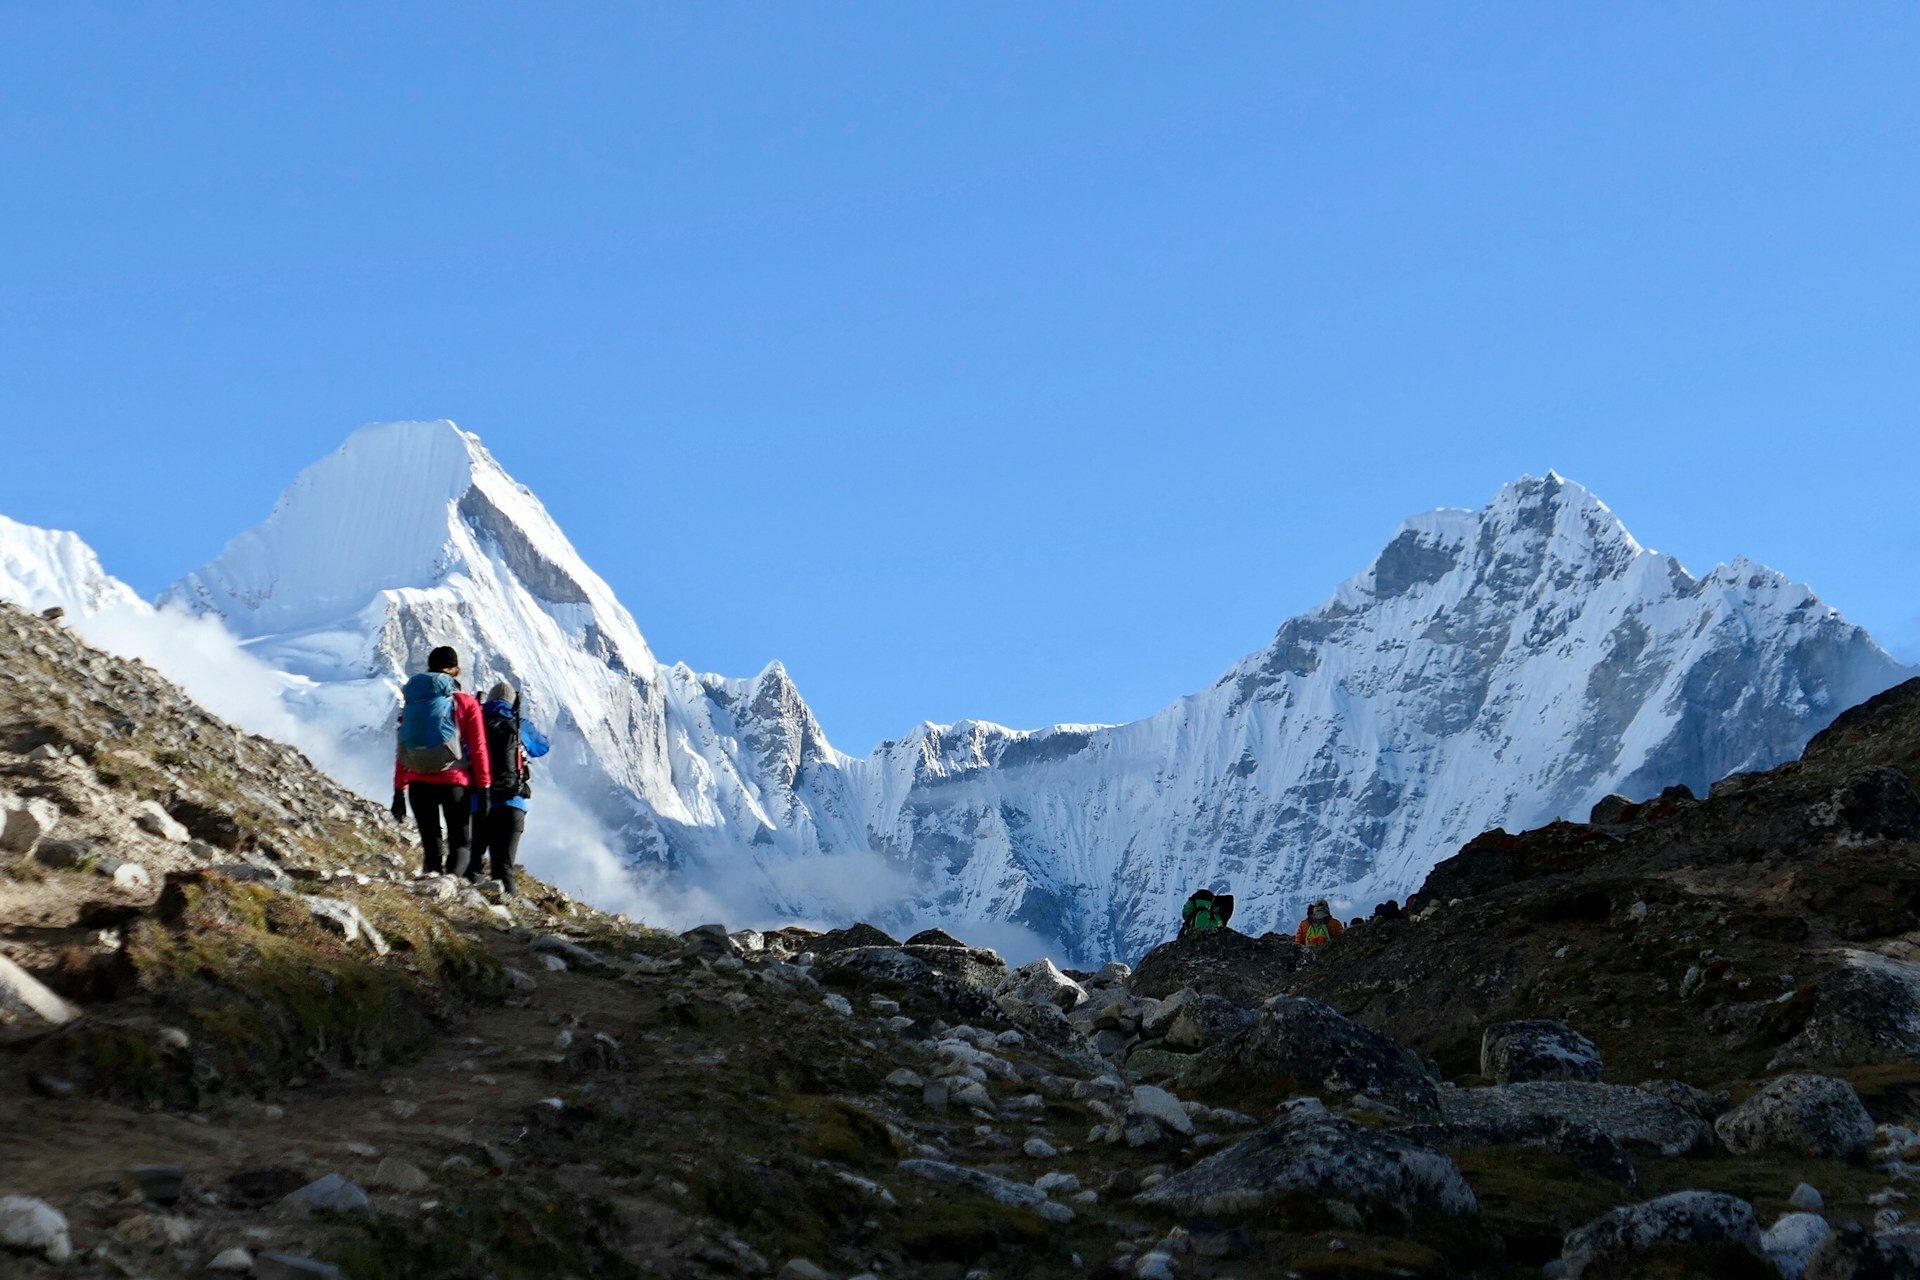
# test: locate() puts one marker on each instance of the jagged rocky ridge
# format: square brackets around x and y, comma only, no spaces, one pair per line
[1618,1047]
[1495,667]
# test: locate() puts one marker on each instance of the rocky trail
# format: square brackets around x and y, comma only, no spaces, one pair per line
[238,1035]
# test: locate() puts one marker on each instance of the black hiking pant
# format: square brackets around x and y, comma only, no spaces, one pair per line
[430,800]
[505,824]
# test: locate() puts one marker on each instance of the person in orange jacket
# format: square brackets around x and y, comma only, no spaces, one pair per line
[1319,928]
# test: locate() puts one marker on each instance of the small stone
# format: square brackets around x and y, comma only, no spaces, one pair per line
[1055,1212]
[332,1192]
[287,1266]
[132,876]
[395,1174]
[1154,1265]
[175,1038]
[1058,1183]
[519,980]
[1163,1107]
[401,1109]
[1040,1149]
[235,1261]
[883,1006]
[1807,1198]
[803,1269]
[906,1080]
[840,1005]
[552,963]
[160,1183]
[936,1095]
[154,820]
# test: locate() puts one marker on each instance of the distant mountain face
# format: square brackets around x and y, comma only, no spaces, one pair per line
[1491,667]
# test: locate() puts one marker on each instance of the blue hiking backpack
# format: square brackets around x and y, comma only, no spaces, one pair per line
[429,736]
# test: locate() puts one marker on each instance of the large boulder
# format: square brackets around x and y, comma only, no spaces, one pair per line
[1876,803]
[1205,1021]
[854,935]
[1041,983]
[1320,1049]
[1791,1240]
[1855,1253]
[1311,1152]
[1866,1012]
[1815,1114]
[1630,1116]
[1221,962]
[1537,1049]
[1705,1219]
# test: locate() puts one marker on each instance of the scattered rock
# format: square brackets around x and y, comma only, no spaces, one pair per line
[34,1226]
[287,1266]
[1002,1190]
[934,938]
[160,1183]
[839,1004]
[152,819]
[1315,1153]
[576,956]
[25,822]
[906,1080]
[1058,1184]
[395,1174]
[235,1261]
[519,980]
[1701,1218]
[345,919]
[552,963]
[333,1193]
[803,1269]
[1162,1107]
[24,997]
[1538,1049]
[1807,1198]
[1815,1114]
[1039,1149]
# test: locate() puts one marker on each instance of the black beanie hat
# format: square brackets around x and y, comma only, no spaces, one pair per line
[443,659]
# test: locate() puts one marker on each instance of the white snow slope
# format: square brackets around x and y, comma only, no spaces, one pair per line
[1492,667]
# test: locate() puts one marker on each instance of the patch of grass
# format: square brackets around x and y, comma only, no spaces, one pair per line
[263,992]
[517,1231]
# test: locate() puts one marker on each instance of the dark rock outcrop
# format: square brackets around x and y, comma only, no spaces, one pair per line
[1220,962]
[1317,1048]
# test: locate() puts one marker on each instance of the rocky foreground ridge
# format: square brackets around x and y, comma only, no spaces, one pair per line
[238,1035]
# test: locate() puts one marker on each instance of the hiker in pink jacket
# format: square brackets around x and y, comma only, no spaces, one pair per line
[440,764]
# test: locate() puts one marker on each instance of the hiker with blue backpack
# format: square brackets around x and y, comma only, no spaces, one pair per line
[511,743]
[440,764]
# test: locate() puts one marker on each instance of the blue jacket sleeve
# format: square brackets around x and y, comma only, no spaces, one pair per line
[533,741]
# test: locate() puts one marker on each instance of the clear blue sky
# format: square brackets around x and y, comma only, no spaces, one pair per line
[1013,361]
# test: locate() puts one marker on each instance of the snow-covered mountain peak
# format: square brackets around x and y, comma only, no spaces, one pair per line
[45,568]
